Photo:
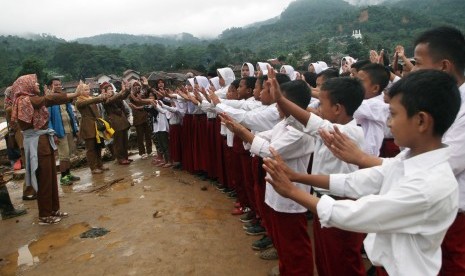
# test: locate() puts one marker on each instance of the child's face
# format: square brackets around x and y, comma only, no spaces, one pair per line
[245,72]
[400,124]
[327,109]
[161,85]
[221,80]
[371,90]
[257,90]
[319,81]
[232,93]
[311,68]
[265,96]
[189,88]
[423,59]
[243,91]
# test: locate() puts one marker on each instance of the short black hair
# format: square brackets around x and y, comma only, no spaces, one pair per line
[431,91]
[345,91]
[298,92]
[310,78]
[445,43]
[235,83]
[378,75]
[280,77]
[50,81]
[359,64]
[250,82]
[328,74]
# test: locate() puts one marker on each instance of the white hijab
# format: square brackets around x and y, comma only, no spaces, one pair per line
[289,71]
[216,82]
[350,60]
[203,82]
[263,66]
[227,74]
[251,69]
[190,81]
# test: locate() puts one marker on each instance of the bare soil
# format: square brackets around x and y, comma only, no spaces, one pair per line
[162,223]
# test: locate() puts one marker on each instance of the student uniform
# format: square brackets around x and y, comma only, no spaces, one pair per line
[371,115]
[331,242]
[174,116]
[287,221]
[453,247]
[405,205]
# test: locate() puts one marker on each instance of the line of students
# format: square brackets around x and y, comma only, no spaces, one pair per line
[258,122]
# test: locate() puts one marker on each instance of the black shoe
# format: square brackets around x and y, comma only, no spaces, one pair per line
[12,214]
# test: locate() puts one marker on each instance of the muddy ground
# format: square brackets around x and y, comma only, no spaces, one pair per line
[192,232]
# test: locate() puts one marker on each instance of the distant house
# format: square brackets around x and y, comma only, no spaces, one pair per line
[172,80]
[70,86]
[130,74]
[357,34]
[103,78]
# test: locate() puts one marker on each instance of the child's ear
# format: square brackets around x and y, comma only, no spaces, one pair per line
[376,89]
[447,66]
[425,122]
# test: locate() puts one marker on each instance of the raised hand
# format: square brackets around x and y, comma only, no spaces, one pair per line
[144,81]
[277,177]
[341,145]
[400,51]
[374,57]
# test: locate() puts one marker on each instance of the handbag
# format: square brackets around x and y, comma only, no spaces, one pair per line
[99,122]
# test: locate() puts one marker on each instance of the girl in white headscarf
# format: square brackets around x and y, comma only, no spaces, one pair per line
[247,70]
[263,67]
[346,62]
[226,77]
[215,82]
[288,70]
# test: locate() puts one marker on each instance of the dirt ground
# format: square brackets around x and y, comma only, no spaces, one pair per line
[192,233]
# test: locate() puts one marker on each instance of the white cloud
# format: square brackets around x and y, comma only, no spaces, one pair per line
[73,19]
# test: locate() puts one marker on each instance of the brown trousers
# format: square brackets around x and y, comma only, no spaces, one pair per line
[120,144]
[143,133]
[93,154]
[47,195]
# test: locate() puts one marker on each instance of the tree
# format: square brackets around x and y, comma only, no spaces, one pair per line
[34,65]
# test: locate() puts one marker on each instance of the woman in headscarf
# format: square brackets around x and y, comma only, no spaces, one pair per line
[31,114]
[263,67]
[87,107]
[117,116]
[16,138]
[226,77]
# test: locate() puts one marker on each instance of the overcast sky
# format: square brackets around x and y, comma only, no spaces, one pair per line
[74,19]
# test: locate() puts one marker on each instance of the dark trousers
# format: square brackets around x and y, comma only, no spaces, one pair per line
[93,154]
[163,145]
[47,195]
[120,144]
[143,133]
[453,248]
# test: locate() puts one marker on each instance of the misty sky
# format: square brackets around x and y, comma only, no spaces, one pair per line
[70,19]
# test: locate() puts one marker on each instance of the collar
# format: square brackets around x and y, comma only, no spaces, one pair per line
[425,160]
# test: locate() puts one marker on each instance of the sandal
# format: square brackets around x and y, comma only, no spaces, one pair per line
[60,214]
[49,220]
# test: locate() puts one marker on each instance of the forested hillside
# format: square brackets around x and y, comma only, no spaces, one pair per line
[318,28]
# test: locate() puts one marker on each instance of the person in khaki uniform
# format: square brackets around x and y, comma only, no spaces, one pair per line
[31,114]
[117,117]
[87,107]
[140,118]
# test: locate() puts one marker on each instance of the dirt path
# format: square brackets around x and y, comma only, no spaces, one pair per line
[192,233]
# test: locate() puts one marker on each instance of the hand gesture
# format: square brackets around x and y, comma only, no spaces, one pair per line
[400,51]
[374,57]
[214,98]
[144,81]
[341,145]
[273,85]
[231,124]
[277,175]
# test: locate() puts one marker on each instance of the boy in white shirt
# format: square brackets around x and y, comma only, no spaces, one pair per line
[371,114]
[286,222]
[340,97]
[407,204]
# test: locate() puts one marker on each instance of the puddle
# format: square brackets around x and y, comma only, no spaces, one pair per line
[121,201]
[38,250]
[82,187]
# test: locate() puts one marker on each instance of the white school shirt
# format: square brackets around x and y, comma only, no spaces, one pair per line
[221,93]
[455,138]
[314,103]
[405,205]
[295,147]
[324,161]
[208,108]
[161,124]
[173,114]
[247,105]
[261,118]
[371,115]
